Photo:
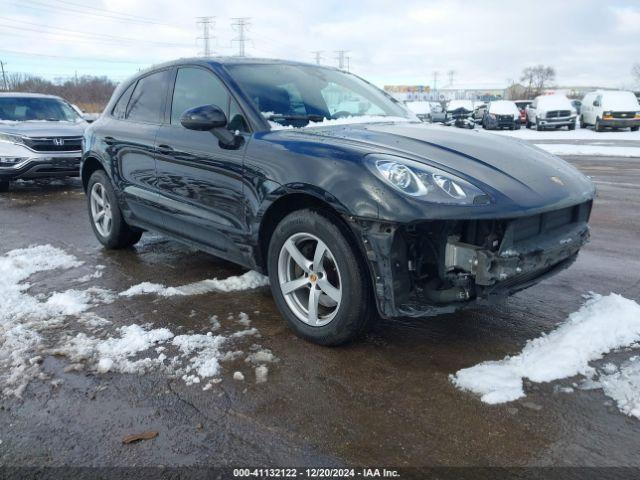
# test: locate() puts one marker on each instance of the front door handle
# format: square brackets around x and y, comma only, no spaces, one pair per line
[165,148]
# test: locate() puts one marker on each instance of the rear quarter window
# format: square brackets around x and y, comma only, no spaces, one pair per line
[148,97]
[120,109]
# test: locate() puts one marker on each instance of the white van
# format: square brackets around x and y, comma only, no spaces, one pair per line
[551,111]
[610,108]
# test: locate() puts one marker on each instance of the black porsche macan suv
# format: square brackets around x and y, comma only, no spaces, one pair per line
[349,203]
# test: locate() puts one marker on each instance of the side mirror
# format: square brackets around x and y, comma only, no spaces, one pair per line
[204,118]
[596,103]
[209,118]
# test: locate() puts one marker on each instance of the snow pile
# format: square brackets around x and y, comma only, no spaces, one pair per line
[246,281]
[419,107]
[32,326]
[456,104]
[23,317]
[504,107]
[601,325]
[623,386]
[548,103]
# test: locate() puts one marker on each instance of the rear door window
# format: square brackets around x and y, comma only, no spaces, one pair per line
[147,101]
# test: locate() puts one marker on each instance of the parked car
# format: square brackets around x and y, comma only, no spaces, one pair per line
[479,111]
[610,108]
[438,114]
[522,106]
[421,109]
[501,114]
[551,111]
[40,136]
[387,216]
[460,114]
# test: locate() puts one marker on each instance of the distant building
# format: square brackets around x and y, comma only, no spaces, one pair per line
[412,93]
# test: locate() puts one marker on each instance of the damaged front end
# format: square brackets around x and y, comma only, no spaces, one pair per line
[433,267]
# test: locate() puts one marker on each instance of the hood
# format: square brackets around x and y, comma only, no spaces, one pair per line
[44,128]
[510,170]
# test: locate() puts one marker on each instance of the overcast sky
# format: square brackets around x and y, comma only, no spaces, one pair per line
[589,42]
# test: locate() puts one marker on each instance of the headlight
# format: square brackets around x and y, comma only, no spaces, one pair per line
[425,182]
[11,153]
[7,137]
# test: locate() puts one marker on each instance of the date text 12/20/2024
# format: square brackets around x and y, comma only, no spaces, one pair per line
[322,473]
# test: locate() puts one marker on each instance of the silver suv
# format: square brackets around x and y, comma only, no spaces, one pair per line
[40,136]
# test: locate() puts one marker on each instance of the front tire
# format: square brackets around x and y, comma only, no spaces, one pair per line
[582,124]
[635,129]
[318,279]
[105,215]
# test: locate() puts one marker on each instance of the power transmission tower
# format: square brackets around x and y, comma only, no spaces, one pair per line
[317,54]
[4,76]
[207,24]
[341,58]
[451,74]
[241,24]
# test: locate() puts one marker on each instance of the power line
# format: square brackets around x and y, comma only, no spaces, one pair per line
[318,56]
[34,4]
[241,24]
[67,57]
[207,23]
[88,35]
[94,8]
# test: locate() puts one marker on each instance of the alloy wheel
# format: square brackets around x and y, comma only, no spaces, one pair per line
[101,213]
[309,279]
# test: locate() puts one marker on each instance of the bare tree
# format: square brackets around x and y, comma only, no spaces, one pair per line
[537,78]
[89,93]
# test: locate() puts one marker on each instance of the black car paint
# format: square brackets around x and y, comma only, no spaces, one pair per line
[188,186]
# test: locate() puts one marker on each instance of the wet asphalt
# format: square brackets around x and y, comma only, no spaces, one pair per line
[385,400]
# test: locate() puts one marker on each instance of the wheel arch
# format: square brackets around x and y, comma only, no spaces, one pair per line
[294,201]
[90,165]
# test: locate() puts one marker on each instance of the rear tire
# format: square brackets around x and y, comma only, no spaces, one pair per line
[106,217]
[329,299]
[635,129]
[582,124]
[571,127]
[539,127]
[4,186]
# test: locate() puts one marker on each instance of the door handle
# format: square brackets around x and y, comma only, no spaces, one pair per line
[165,148]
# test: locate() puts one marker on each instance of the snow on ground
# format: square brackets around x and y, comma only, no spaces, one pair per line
[246,281]
[601,325]
[564,134]
[62,324]
[346,121]
[593,150]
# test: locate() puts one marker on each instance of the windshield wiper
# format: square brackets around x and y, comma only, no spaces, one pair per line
[310,118]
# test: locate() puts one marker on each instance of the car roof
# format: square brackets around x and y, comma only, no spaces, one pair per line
[26,94]
[229,60]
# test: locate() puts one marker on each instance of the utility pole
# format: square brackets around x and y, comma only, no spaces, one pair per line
[241,24]
[341,58]
[348,63]
[207,24]
[4,76]
[317,54]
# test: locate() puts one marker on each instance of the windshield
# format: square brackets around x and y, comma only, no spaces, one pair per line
[300,95]
[24,109]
